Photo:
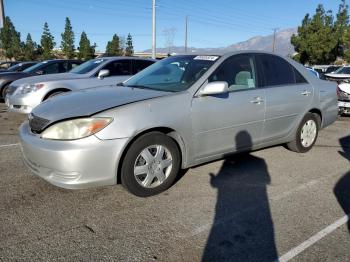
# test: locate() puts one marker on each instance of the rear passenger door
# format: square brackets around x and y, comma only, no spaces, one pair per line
[287,95]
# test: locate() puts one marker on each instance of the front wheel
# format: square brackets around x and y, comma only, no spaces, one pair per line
[306,134]
[151,164]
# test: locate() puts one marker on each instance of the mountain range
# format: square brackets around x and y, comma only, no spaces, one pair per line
[263,43]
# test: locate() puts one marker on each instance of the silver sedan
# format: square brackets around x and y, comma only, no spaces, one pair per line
[180,112]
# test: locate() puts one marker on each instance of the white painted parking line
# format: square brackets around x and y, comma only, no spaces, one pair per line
[312,240]
[9,145]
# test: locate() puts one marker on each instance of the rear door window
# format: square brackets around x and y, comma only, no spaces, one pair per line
[276,71]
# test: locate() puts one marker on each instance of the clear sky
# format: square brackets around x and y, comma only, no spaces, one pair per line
[212,23]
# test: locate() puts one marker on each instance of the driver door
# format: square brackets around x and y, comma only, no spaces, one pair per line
[218,121]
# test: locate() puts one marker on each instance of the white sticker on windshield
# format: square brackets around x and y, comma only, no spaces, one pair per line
[98,61]
[206,57]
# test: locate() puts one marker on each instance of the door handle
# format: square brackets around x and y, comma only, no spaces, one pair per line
[305,93]
[257,100]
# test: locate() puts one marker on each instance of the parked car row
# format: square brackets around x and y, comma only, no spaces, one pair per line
[179,112]
[25,94]
[42,68]
[322,70]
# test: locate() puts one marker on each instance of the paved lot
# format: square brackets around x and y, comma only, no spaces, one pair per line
[254,207]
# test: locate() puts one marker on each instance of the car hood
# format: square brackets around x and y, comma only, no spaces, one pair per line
[344,87]
[46,78]
[89,102]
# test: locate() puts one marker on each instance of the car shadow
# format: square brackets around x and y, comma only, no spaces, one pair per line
[243,228]
[342,188]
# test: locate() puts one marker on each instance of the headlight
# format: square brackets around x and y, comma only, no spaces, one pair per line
[28,88]
[76,128]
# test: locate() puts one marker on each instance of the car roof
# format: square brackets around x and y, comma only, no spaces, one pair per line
[226,54]
[125,57]
[60,60]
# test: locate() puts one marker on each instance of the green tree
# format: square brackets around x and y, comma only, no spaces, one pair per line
[341,25]
[113,47]
[47,42]
[129,49]
[29,48]
[67,43]
[316,41]
[10,40]
[86,50]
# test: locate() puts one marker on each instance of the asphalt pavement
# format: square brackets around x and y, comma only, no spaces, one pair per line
[267,205]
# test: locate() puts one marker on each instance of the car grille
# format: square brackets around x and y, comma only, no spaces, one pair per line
[37,124]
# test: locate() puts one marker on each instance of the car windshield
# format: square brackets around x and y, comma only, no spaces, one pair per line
[14,67]
[87,66]
[172,74]
[35,67]
[343,70]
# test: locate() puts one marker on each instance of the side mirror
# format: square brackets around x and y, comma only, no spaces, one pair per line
[103,73]
[214,88]
[39,72]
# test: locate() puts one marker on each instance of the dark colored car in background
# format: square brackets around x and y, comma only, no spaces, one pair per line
[19,67]
[43,68]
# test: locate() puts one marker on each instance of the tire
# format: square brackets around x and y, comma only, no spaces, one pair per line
[150,165]
[308,129]
[4,91]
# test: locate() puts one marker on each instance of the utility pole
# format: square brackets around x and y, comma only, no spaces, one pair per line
[2,15]
[274,39]
[186,30]
[154,29]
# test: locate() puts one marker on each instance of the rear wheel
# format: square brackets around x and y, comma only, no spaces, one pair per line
[151,165]
[306,134]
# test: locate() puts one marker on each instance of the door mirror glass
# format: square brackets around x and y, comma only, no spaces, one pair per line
[214,88]
[103,73]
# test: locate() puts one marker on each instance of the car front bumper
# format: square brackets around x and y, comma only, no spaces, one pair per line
[23,103]
[76,164]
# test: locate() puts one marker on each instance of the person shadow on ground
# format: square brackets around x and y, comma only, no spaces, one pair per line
[243,228]
[342,188]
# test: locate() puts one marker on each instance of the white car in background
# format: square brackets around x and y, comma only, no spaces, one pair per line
[340,74]
[343,93]
[25,94]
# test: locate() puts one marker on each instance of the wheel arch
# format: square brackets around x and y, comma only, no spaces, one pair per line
[317,112]
[60,89]
[3,85]
[165,130]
